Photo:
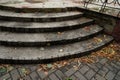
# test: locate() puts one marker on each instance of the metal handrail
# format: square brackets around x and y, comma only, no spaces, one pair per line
[103,5]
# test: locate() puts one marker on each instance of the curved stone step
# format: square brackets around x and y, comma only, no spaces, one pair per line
[44,27]
[52,53]
[39,17]
[44,39]
[33,9]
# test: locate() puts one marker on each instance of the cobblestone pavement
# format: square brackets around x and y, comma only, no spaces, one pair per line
[102,69]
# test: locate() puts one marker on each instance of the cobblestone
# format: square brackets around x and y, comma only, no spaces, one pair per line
[80,76]
[34,76]
[6,76]
[27,78]
[15,74]
[110,75]
[84,69]
[60,75]
[73,77]
[98,77]
[88,71]
[70,72]
[53,77]
[90,74]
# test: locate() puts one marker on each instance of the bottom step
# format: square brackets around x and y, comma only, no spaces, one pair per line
[47,54]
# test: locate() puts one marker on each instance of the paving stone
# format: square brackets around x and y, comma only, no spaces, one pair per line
[9,79]
[63,69]
[41,74]
[98,77]
[70,72]
[15,74]
[103,71]
[21,74]
[33,68]
[80,76]
[110,75]
[117,77]
[27,78]
[116,66]
[60,75]
[99,65]
[51,71]
[93,78]
[34,76]
[84,69]
[119,72]
[53,77]
[69,66]
[47,78]
[93,66]
[22,70]
[74,77]
[103,61]
[4,77]
[90,74]
[118,63]
[114,70]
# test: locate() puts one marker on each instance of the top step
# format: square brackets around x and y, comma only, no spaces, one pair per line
[29,6]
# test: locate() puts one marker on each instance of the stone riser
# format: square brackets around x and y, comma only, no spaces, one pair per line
[50,43]
[43,29]
[77,54]
[32,10]
[39,17]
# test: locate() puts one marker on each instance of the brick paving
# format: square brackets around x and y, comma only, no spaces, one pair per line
[102,69]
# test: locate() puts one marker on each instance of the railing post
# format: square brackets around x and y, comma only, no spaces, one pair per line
[103,6]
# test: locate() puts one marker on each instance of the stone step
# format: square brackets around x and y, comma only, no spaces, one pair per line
[35,8]
[44,39]
[52,53]
[44,27]
[39,17]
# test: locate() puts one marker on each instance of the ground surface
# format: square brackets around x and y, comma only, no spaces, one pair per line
[100,65]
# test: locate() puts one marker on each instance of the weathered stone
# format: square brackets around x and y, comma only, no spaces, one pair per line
[79,48]
[44,27]
[42,39]
[38,17]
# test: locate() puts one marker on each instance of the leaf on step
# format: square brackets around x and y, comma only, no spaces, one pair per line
[46,72]
[61,50]
[49,65]
[25,71]
[75,67]
[87,28]
[68,79]
[97,39]
[42,48]
[59,33]
[3,70]
[9,68]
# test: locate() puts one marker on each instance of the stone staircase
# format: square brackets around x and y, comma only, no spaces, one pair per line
[41,36]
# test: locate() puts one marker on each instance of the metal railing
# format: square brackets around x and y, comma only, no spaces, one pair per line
[104,4]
